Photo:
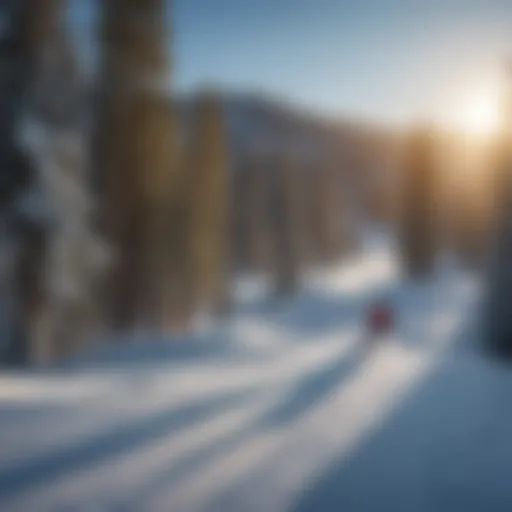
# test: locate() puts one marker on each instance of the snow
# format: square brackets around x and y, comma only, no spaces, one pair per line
[282,408]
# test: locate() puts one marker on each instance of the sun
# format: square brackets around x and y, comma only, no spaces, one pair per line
[480,115]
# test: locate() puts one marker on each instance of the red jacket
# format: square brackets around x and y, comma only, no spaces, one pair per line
[381,319]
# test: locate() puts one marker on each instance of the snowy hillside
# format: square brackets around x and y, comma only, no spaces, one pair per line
[284,408]
[256,122]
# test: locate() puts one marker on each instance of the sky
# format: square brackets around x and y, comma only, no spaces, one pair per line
[394,60]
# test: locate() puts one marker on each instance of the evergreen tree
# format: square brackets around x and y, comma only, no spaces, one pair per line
[210,210]
[52,130]
[498,312]
[137,171]
[259,185]
[326,211]
[240,213]
[58,256]
[284,218]
[418,229]
[20,244]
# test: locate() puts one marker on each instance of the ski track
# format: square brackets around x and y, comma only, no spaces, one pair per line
[284,409]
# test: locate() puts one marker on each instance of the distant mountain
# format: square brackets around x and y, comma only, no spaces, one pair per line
[257,123]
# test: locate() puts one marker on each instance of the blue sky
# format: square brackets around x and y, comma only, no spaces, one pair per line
[387,59]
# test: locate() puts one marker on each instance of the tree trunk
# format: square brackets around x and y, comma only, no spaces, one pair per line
[210,215]
[418,235]
[137,161]
[287,229]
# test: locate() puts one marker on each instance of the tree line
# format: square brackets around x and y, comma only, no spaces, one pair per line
[118,217]
[121,212]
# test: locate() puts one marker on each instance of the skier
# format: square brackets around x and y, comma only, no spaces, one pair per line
[380,319]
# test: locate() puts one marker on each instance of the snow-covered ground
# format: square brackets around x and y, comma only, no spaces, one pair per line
[283,408]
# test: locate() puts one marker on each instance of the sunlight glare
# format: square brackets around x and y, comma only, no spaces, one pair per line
[480,116]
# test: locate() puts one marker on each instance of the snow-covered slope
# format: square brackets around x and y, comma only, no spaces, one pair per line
[284,408]
[259,123]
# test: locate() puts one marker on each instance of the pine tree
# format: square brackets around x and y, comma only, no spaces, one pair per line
[258,185]
[20,246]
[27,27]
[58,255]
[240,214]
[300,191]
[325,206]
[53,131]
[210,211]
[418,229]
[284,219]
[137,164]
[499,294]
